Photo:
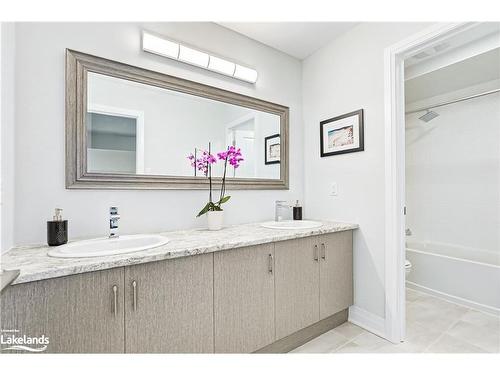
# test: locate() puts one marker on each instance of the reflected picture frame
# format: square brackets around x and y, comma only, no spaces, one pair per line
[272,150]
[342,134]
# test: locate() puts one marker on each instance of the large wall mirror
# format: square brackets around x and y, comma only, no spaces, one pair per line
[130,128]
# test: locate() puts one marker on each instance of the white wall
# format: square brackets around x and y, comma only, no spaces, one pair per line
[39,113]
[7,137]
[346,75]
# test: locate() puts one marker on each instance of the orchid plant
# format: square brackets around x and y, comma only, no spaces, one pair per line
[231,156]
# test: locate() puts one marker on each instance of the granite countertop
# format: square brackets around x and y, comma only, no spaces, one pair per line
[34,263]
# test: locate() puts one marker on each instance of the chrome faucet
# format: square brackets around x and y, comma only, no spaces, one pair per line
[113,222]
[280,206]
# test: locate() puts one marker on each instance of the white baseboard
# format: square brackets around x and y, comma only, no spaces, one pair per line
[367,320]
[454,299]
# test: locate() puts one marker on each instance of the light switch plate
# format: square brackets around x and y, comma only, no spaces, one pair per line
[334,189]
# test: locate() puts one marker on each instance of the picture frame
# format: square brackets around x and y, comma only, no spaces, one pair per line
[342,134]
[272,150]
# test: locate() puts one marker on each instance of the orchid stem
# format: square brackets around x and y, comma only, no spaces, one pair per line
[209,173]
[223,187]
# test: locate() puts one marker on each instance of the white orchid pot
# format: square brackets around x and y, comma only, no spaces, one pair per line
[215,220]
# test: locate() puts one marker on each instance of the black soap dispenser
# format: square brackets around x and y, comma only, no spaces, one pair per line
[57,229]
[297,211]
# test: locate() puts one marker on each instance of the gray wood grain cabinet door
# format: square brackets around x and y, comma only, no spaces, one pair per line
[336,282]
[172,309]
[77,313]
[297,285]
[244,299]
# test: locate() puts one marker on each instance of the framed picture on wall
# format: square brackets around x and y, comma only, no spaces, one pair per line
[342,134]
[273,149]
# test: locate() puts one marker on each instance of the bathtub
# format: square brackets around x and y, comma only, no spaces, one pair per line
[467,276]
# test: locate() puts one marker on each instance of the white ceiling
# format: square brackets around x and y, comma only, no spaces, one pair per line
[472,71]
[473,36]
[298,39]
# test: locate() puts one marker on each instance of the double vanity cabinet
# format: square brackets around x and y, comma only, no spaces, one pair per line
[269,297]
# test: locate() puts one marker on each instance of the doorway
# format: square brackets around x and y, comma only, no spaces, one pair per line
[395,58]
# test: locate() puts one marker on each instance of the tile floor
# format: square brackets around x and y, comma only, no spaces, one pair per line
[432,326]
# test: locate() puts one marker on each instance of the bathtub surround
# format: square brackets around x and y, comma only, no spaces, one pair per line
[453,174]
[39,141]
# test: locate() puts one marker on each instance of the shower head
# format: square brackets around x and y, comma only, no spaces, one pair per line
[428,116]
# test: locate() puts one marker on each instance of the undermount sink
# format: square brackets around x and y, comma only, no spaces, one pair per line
[292,224]
[108,246]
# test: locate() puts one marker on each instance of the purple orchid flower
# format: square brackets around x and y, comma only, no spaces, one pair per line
[202,162]
[232,156]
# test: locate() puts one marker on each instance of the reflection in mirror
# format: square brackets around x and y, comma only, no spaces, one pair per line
[141,129]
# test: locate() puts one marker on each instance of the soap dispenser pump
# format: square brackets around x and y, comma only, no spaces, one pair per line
[57,229]
[297,211]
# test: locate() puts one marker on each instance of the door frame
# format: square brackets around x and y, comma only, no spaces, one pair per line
[394,56]
[129,113]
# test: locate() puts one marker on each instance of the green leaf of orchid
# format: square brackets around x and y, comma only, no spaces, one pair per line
[205,209]
[224,200]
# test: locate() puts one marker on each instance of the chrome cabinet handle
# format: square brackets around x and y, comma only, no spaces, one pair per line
[270,263]
[316,253]
[134,295]
[115,300]
[323,251]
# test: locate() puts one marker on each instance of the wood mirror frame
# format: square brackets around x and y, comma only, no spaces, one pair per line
[79,64]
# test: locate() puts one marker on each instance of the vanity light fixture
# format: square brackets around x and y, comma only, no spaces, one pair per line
[167,48]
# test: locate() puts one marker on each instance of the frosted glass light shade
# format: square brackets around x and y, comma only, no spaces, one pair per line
[194,57]
[245,74]
[160,46]
[221,66]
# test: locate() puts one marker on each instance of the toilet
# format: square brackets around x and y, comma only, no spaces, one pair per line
[407,267]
